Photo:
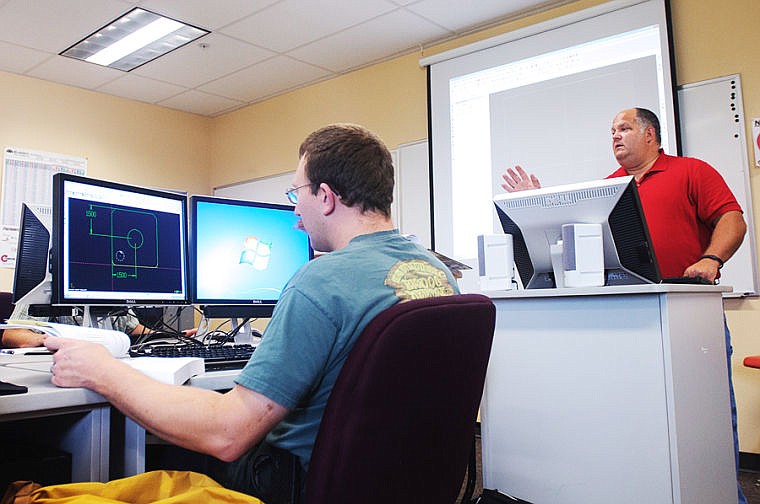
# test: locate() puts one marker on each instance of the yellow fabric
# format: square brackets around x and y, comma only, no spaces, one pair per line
[162,487]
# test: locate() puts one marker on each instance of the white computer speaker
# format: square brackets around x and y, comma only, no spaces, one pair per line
[495,262]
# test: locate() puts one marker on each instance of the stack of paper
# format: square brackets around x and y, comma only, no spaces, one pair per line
[171,370]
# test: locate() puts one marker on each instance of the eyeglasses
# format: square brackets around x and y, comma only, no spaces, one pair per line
[292,194]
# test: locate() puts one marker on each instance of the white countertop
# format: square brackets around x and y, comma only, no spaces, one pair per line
[607,290]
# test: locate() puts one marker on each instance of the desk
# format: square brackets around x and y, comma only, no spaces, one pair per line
[77,420]
[610,394]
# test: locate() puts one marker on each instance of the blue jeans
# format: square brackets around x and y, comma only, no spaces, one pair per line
[272,474]
[729,351]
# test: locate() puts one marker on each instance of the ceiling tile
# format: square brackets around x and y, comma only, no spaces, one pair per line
[74,72]
[459,16]
[371,41]
[140,88]
[206,14]
[201,103]
[204,60]
[266,79]
[19,59]
[52,25]
[291,23]
[246,58]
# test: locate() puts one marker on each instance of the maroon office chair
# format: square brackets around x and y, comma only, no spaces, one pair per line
[6,308]
[400,421]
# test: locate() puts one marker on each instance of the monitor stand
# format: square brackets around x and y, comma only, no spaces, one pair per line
[239,316]
[96,322]
[243,335]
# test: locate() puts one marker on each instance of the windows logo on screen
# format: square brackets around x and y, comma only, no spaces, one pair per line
[256,253]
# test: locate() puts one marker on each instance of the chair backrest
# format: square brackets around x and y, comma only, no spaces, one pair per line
[400,420]
[6,308]
[6,305]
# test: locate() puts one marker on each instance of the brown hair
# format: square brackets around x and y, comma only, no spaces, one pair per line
[354,162]
[648,118]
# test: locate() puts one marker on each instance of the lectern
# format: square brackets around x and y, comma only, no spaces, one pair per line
[609,394]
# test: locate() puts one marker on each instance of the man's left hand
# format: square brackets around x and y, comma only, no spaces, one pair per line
[76,363]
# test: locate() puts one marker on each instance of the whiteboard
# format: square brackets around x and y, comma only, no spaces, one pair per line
[272,189]
[413,191]
[266,189]
[712,129]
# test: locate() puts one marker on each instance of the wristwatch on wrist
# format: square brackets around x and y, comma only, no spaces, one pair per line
[714,258]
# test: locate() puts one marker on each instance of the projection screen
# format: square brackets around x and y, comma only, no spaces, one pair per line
[542,97]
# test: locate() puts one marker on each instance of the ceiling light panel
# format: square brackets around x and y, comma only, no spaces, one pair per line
[134,39]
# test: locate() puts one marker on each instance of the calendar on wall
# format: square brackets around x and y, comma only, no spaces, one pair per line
[28,178]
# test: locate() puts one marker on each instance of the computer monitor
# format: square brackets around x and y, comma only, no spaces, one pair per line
[117,244]
[32,281]
[242,253]
[535,218]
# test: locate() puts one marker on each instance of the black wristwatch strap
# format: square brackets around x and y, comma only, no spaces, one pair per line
[714,258]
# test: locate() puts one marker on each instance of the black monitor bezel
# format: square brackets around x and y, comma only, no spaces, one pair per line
[57,256]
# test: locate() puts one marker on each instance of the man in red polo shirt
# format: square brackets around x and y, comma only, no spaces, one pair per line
[694,220]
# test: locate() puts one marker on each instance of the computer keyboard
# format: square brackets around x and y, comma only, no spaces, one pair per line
[687,280]
[216,357]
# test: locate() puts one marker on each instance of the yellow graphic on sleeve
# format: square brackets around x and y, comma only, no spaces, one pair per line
[417,279]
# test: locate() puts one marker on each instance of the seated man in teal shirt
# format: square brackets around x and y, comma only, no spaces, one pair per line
[342,190]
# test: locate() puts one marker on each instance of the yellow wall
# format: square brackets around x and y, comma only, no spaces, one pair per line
[136,143]
[123,140]
[390,98]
